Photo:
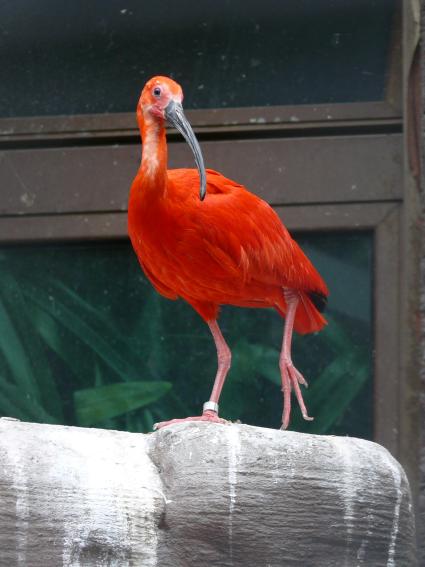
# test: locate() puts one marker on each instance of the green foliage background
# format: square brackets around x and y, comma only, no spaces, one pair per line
[85,340]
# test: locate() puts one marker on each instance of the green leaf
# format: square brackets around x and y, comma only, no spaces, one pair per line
[25,350]
[93,405]
[330,395]
[15,355]
[252,358]
[335,335]
[9,409]
[148,420]
[15,403]
[268,364]
[66,346]
[339,400]
[99,321]
[334,376]
[151,328]
[77,325]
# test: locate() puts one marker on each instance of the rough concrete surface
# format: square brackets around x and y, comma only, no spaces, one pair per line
[421,503]
[199,494]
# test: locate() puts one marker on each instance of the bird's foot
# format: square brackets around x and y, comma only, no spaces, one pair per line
[207,415]
[291,380]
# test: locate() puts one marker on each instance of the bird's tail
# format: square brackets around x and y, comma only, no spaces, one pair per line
[308,318]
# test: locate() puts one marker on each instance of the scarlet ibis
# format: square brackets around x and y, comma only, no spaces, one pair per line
[206,239]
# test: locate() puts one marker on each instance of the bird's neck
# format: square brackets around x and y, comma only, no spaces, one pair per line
[153,169]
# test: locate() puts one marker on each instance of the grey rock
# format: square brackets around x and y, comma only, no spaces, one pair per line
[199,494]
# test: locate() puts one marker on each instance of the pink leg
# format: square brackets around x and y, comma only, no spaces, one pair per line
[291,378]
[224,357]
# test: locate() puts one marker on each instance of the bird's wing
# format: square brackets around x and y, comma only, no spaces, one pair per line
[236,237]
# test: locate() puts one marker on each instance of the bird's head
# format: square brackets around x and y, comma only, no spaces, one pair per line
[157,95]
[161,99]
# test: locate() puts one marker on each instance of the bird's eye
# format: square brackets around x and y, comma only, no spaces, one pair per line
[157,92]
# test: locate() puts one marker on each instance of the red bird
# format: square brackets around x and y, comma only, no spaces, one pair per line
[206,239]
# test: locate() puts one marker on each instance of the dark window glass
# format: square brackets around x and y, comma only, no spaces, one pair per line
[86,340]
[89,57]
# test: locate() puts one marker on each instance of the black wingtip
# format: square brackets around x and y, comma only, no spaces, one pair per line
[319,300]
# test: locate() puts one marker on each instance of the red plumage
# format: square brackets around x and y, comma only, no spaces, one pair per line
[230,248]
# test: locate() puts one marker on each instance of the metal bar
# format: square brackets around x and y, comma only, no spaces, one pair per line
[358,216]
[296,171]
[101,226]
[411,252]
[387,332]
[208,119]
[62,228]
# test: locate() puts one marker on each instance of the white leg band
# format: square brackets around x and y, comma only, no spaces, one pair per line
[211,406]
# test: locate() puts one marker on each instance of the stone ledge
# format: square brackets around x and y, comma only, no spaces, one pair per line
[199,494]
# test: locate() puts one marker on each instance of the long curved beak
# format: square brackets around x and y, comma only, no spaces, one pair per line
[175,115]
